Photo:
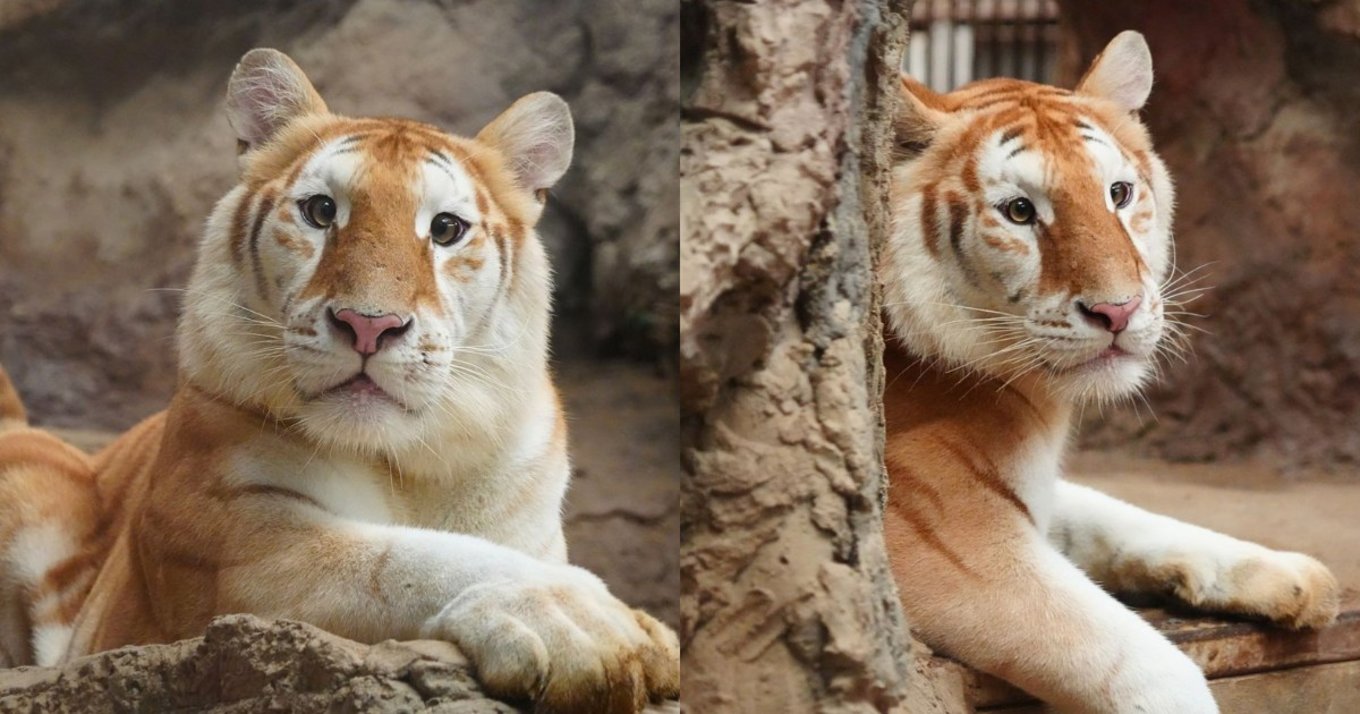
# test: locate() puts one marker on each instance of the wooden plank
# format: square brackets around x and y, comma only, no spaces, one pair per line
[1227,649]
[1318,689]
[1223,648]
[1322,689]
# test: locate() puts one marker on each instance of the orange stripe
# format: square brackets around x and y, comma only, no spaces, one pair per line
[930,220]
[987,475]
[928,536]
[266,207]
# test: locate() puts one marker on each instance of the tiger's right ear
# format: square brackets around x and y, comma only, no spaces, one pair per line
[266,91]
[921,115]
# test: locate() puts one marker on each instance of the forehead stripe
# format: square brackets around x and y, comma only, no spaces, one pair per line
[442,157]
[348,145]
[441,162]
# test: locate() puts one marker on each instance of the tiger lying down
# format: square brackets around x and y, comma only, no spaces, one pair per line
[365,434]
[1027,275]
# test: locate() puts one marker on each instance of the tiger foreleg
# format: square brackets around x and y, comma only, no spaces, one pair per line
[1014,607]
[1131,550]
[543,632]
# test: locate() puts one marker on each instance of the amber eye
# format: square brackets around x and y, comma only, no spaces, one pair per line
[1018,211]
[1121,192]
[319,210]
[447,229]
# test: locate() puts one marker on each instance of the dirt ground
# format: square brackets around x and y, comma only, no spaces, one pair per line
[1314,514]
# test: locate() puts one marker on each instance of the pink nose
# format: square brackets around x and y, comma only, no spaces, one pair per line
[1111,316]
[367,332]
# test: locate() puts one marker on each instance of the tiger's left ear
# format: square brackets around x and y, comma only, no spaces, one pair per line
[266,91]
[536,136]
[918,119]
[1121,73]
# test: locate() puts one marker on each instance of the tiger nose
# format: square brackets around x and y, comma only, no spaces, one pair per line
[366,332]
[1114,317]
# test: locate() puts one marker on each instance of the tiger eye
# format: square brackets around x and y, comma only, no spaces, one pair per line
[1121,192]
[1019,211]
[318,210]
[447,229]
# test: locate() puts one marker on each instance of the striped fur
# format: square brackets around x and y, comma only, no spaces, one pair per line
[422,502]
[997,559]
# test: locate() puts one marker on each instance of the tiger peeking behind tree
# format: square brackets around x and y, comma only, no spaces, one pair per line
[365,435]
[1029,273]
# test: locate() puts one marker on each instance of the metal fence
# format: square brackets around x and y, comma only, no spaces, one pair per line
[954,42]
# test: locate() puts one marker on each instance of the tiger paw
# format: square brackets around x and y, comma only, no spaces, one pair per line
[563,642]
[1290,589]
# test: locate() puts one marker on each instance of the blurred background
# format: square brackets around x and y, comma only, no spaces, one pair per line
[114,147]
[1254,110]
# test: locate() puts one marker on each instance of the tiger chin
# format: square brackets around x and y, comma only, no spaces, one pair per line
[365,435]
[1026,275]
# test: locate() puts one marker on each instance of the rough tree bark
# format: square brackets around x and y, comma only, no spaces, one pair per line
[787,604]
[1254,110]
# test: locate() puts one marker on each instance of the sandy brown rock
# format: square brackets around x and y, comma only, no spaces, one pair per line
[247,664]
[787,604]
[244,663]
[1254,110]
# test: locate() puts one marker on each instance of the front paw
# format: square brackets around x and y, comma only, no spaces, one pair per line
[562,641]
[1290,589]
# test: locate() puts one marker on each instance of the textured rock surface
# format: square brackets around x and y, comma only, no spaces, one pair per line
[113,147]
[246,664]
[787,604]
[1254,110]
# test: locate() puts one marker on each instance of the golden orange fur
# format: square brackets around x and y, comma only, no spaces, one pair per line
[1028,273]
[396,481]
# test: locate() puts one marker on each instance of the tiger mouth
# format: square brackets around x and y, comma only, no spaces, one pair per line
[1109,355]
[361,390]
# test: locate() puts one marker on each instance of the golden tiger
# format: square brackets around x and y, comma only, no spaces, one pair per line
[365,435]
[1027,274]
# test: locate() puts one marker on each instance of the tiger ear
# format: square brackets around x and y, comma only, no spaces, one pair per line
[921,115]
[1121,73]
[266,91]
[536,137]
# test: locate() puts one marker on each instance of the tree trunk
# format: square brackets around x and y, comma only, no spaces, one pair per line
[787,602]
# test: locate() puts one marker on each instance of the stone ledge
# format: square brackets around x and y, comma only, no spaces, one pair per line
[247,664]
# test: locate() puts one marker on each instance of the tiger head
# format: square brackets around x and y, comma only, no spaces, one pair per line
[1032,229]
[375,281]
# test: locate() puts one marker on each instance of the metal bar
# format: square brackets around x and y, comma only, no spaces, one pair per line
[1016,45]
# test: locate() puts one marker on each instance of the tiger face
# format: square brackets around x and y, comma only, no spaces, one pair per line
[375,281]
[1032,228]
